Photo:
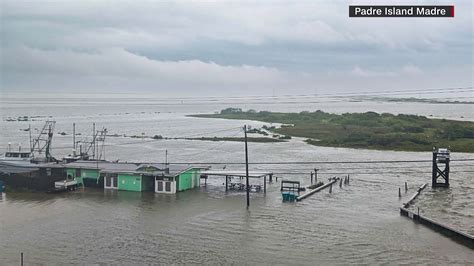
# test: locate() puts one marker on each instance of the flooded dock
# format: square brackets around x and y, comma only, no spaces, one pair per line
[208,224]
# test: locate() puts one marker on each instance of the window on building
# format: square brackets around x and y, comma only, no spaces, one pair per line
[160,185]
[168,186]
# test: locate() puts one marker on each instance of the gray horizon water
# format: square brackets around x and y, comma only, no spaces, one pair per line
[358,223]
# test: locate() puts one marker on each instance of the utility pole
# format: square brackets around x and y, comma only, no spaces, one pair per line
[247,167]
[93,140]
[74,138]
[48,144]
[29,131]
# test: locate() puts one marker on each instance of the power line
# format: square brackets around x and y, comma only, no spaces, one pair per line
[296,96]
[357,168]
[259,100]
[369,173]
[313,162]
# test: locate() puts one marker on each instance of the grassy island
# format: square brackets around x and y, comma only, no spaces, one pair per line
[368,130]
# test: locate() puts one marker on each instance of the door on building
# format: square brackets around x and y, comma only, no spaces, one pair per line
[165,186]
[111,182]
[115,181]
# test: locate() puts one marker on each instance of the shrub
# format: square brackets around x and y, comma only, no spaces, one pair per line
[157,137]
[231,110]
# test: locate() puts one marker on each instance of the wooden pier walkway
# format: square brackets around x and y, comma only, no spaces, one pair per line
[461,237]
[311,192]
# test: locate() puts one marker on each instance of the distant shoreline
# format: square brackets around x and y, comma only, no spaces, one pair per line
[413,100]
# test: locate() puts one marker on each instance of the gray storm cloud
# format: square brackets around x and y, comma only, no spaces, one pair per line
[227,48]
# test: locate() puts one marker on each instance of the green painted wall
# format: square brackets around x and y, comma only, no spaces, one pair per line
[72,172]
[186,179]
[90,178]
[197,177]
[129,182]
[90,173]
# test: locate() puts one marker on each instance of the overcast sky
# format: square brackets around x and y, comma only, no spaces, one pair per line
[228,48]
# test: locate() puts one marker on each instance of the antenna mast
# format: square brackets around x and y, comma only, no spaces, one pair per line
[42,143]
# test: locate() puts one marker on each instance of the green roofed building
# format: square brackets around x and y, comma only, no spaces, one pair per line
[134,176]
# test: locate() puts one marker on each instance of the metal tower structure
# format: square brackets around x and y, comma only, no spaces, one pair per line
[95,147]
[440,173]
[42,143]
[100,142]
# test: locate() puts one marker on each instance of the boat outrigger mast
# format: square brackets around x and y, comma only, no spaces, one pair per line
[42,143]
[96,145]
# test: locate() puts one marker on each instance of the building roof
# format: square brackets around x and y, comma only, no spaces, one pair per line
[17,167]
[132,168]
[25,166]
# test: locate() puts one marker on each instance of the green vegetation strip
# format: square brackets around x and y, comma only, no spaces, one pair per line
[249,139]
[368,130]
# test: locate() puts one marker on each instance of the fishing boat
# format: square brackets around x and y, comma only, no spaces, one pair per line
[17,156]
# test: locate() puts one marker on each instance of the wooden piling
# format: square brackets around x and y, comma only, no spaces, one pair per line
[247,168]
[21,258]
[399,192]
[340,183]
[406,187]
[265,184]
[226,182]
[330,188]
[311,178]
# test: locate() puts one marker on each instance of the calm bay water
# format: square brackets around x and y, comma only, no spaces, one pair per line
[358,223]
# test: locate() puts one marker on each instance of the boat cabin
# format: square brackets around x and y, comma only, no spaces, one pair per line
[18,154]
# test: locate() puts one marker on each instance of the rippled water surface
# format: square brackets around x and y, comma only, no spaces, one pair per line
[358,223]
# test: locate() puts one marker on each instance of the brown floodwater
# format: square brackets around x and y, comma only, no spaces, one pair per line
[358,223]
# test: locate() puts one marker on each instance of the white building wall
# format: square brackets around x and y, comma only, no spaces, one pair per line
[163,191]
